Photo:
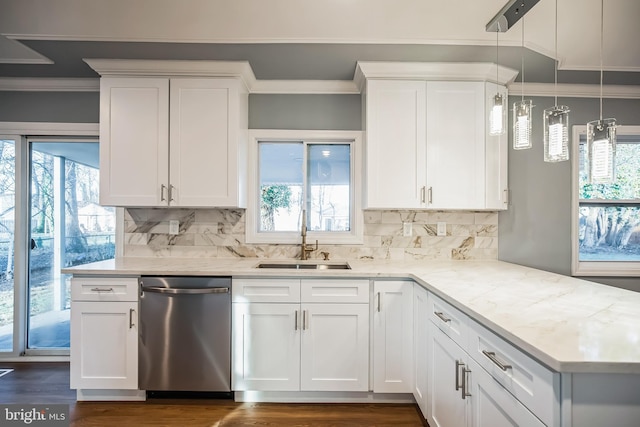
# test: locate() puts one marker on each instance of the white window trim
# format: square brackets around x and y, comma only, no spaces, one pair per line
[354,237]
[593,268]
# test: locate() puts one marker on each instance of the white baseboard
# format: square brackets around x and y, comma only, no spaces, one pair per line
[322,397]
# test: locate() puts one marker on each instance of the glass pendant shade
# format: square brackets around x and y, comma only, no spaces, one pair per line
[556,134]
[498,115]
[522,124]
[601,146]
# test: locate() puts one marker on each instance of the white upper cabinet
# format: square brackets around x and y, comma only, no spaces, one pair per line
[455,145]
[395,152]
[134,140]
[208,122]
[168,138]
[427,144]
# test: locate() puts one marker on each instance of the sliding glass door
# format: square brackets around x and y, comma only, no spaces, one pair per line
[67,227]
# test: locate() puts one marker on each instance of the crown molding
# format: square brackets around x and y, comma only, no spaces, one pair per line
[568,90]
[452,71]
[45,84]
[165,68]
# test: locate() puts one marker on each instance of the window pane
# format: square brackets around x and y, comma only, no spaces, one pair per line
[627,184]
[609,233]
[329,176]
[7,214]
[281,173]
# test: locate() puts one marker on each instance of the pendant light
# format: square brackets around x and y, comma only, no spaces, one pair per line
[556,120]
[498,113]
[522,114]
[601,134]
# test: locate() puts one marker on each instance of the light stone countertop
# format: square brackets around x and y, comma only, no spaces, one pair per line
[568,324]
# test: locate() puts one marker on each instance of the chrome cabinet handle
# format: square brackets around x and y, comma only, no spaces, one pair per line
[131,311]
[441,316]
[492,356]
[422,194]
[430,194]
[506,196]
[296,321]
[171,188]
[464,392]
[379,298]
[458,365]
[101,289]
[162,189]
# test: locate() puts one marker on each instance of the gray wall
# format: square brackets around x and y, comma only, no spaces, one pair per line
[536,229]
[55,107]
[317,112]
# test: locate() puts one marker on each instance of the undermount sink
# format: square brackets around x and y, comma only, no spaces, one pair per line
[305,266]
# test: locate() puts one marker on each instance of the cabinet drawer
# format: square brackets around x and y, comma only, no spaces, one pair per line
[450,320]
[104,289]
[531,383]
[265,290]
[334,291]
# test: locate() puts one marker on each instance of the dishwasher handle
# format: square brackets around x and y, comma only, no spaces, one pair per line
[192,291]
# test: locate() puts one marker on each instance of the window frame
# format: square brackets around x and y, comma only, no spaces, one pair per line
[252,216]
[595,268]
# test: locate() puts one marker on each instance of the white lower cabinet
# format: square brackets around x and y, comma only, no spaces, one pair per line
[266,347]
[304,346]
[449,405]
[104,334]
[420,346]
[335,347]
[493,405]
[473,381]
[393,337]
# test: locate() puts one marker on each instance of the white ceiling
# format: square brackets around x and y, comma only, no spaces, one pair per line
[448,22]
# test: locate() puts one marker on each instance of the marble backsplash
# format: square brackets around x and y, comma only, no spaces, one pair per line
[221,233]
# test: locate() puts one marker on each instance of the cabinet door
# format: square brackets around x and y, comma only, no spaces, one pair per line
[420,346]
[447,360]
[266,347]
[134,141]
[335,347]
[455,145]
[395,147]
[104,345]
[204,142]
[393,337]
[497,146]
[494,406]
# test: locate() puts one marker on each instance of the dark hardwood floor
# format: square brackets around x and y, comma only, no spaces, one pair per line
[49,383]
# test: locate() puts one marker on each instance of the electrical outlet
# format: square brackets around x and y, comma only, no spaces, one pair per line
[174,226]
[441,229]
[407,229]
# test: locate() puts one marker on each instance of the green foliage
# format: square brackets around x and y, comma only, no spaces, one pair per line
[273,197]
[276,196]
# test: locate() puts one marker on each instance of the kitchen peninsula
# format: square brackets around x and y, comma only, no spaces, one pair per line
[585,334]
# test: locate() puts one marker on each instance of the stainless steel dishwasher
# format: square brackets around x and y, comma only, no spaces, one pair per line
[185,334]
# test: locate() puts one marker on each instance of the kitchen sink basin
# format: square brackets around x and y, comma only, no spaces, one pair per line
[305,266]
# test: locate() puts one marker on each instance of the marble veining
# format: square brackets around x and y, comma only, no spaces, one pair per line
[221,233]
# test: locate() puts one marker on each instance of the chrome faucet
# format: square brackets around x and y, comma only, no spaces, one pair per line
[305,249]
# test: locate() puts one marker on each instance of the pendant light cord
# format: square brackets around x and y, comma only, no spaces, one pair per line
[601,48]
[497,62]
[555,81]
[522,59]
